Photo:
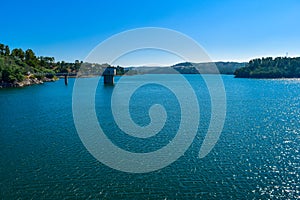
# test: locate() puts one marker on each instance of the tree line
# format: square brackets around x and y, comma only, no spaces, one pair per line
[280,67]
[16,65]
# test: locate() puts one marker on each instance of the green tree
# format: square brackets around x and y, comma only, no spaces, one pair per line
[2,47]
[19,53]
[280,67]
[29,55]
[7,51]
[30,58]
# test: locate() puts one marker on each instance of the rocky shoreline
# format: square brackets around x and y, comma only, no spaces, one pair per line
[26,82]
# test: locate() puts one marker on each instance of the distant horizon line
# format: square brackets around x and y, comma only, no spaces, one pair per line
[164,65]
[174,63]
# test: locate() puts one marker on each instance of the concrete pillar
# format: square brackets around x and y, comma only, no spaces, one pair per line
[66,79]
[108,75]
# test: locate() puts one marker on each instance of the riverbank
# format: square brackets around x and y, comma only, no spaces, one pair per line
[26,82]
[270,68]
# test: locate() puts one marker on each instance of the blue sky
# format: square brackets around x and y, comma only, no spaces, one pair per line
[229,30]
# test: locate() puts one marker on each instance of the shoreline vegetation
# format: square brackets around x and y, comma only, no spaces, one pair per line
[20,68]
[269,68]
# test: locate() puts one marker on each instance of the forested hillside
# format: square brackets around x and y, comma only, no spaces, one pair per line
[280,67]
[17,64]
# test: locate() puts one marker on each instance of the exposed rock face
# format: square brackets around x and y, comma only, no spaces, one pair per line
[45,79]
[26,82]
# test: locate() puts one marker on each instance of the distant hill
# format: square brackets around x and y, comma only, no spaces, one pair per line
[208,68]
[190,68]
[280,67]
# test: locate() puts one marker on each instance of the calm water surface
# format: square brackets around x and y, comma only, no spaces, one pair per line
[257,155]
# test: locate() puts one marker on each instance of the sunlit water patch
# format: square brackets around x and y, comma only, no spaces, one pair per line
[257,155]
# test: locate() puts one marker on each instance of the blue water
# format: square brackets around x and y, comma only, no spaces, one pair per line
[257,155]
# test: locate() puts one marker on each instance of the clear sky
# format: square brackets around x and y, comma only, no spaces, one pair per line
[229,30]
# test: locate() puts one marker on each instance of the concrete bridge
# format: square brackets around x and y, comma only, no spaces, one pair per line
[108,75]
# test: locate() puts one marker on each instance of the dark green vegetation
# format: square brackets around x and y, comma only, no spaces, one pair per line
[18,65]
[280,67]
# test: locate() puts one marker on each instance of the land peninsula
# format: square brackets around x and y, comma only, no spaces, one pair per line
[20,68]
[280,67]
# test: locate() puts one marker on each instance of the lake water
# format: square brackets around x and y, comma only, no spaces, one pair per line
[256,156]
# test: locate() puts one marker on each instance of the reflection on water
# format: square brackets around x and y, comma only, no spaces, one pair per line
[257,155]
